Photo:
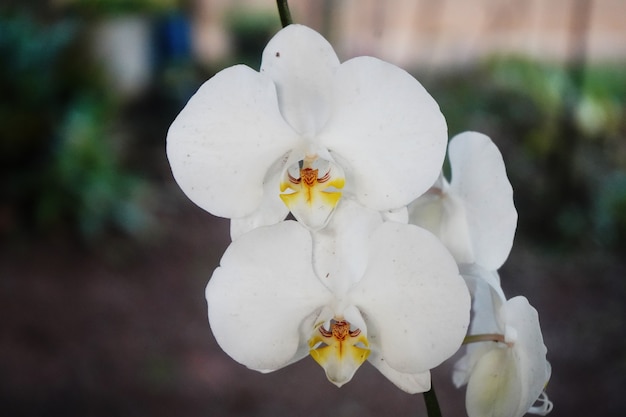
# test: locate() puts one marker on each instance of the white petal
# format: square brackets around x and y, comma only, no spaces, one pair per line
[223,142]
[483,280]
[529,350]
[267,214]
[270,211]
[427,211]
[261,295]
[454,229]
[443,213]
[341,250]
[479,179]
[411,383]
[388,130]
[400,215]
[465,365]
[486,304]
[302,64]
[413,299]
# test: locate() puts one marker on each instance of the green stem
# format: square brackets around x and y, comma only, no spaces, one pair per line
[432,405]
[488,337]
[283,11]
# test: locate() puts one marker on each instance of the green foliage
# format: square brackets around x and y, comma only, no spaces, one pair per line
[600,112]
[111,7]
[85,185]
[59,167]
[546,87]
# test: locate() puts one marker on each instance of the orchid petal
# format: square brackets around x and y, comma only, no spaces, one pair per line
[427,211]
[263,292]
[443,214]
[413,298]
[487,299]
[479,179]
[302,64]
[340,251]
[400,215]
[454,230]
[480,279]
[387,130]
[410,383]
[494,386]
[528,349]
[223,142]
[270,211]
[463,368]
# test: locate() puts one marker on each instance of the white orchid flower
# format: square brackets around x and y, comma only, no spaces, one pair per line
[306,129]
[473,214]
[362,289]
[506,371]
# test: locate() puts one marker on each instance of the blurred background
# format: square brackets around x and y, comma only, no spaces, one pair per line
[103,261]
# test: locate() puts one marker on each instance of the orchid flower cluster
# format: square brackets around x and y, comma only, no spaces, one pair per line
[348,243]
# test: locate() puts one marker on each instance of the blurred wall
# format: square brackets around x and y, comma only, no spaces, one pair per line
[436,33]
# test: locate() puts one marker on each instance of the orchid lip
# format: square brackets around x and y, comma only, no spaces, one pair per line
[339,349]
[311,188]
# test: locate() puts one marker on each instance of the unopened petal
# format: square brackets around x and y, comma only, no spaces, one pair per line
[529,351]
[479,179]
[494,386]
[223,142]
[510,377]
[302,64]
[262,293]
[413,298]
[388,130]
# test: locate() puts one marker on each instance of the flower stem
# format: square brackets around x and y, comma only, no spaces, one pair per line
[432,405]
[489,337]
[284,13]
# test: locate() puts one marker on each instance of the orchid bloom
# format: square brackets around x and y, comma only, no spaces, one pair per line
[506,371]
[361,289]
[473,214]
[304,131]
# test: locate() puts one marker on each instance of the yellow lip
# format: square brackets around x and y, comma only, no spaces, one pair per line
[311,197]
[340,351]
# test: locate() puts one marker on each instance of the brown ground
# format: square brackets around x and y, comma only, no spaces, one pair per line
[122,331]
